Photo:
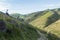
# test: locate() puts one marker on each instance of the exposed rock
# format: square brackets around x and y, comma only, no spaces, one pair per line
[2,25]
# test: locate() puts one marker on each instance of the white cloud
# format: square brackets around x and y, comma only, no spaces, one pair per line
[50,6]
[4,5]
[21,8]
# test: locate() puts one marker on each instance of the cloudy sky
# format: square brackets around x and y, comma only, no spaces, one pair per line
[28,6]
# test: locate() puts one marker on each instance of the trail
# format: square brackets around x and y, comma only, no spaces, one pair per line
[42,36]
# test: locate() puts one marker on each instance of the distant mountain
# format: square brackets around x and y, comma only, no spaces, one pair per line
[15,15]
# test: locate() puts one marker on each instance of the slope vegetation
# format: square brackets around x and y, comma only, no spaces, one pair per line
[13,29]
[40,21]
[54,28]
[50,23]
[47,19]
[34,15]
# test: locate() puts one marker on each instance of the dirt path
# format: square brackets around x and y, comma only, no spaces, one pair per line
[42,36]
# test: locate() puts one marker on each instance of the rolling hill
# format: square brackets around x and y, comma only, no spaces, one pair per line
[49,22]
[34,15]
[47,18]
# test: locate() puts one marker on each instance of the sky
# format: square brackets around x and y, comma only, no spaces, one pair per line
[28,6]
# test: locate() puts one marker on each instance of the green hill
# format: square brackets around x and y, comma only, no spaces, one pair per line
[47,18]
[46,21]
[49,22]
[54,28]
[13,29]
[34,15]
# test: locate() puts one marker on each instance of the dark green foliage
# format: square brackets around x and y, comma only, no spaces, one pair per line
[16,30]
[52,37]
[49,35]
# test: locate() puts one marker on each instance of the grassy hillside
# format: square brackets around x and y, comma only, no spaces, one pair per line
[40,21]
[34,15]
[49,23]
[13,29]
[54,29]
[47,19]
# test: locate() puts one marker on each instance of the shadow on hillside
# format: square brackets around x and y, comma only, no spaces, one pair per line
[52,37]
[52,18]
[49,35]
